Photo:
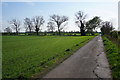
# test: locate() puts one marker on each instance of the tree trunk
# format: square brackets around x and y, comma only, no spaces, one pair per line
[82,29]
[37,32]
[82,32]
[16,31]
[59,30]
[30,29]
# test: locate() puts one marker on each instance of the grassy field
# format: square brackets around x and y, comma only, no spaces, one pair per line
[24,56]
[113,54]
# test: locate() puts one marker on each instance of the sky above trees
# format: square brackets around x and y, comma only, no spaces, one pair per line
[107,11]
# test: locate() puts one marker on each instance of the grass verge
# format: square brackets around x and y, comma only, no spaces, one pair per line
[113,55]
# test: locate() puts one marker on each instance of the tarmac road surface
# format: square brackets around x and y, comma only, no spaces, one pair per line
[88,62]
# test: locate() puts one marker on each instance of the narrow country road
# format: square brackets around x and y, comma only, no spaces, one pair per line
[88,62]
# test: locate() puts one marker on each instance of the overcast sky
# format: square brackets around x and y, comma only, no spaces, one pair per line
[106,10]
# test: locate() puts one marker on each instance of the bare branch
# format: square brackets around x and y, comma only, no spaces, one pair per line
[63,26]
[8,30]
[80,16]
[58,20]
[51,26]
[37,22]
[16,25]
[28,24]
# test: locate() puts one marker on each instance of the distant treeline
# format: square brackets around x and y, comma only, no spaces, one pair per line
[48,33]
[34,25]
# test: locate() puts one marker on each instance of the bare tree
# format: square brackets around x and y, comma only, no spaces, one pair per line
[37,22]
[16,25]
[50,26]
[8,30]
[59,20]
[80,16]
[28,24]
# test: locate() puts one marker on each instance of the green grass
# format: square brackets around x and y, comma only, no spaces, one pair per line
[24,56]
[113,54]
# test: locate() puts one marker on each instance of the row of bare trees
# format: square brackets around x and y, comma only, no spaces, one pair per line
[35,23]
